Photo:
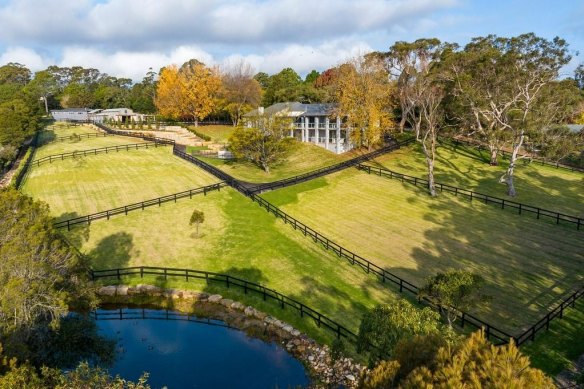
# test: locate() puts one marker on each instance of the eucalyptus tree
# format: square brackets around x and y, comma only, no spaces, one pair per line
[416,67]
[506,86]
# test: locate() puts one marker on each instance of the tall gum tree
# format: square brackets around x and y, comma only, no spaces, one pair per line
[505,84]
[417,69]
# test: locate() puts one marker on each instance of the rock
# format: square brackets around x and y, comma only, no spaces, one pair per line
[288,328]
[311,358]
[132,290]
[350,377]
[295,333]
[215,298]
[259,315]
[248,311]
[226,302]
[122,290]
[238,306]
[107,290]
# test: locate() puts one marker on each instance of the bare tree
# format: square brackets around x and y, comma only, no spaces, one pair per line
[241,91]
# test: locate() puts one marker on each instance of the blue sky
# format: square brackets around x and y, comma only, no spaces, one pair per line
[126,37]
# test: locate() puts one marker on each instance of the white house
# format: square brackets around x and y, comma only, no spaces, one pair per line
[314,123]
[122,115]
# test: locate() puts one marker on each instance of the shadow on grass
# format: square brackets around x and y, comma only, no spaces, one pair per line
[113,251]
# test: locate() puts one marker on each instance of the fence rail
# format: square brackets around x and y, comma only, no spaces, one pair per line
[102,150]
[22,172]
[544,322]
[154,314]
[211,169]
[472,195]
[137,206]
[229,281]
[328,169]
[135,135]
[76,136]
[370,267]
[504,153]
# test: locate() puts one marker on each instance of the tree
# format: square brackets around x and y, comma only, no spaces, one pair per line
[478,364]
[282,87]
[383,376]
[263,79]
[40,276]
[311,77]
[263,144]
[416,68]
[189,92]
[240,90]
[510,97]
[454,291]
[44,85]
[197,218]
[383,327]
[143,93]
[579,75]
[556,143]
[17,122]
[363,92]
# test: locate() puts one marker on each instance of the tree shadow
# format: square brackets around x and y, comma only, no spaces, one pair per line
[113,251]
[77,234]
[46,136]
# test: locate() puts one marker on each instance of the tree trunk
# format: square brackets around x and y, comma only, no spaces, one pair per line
[431,183]
[494,155]
[509,174]
[402,124]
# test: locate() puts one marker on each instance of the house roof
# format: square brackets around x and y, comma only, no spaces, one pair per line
[295,109]
[71,110]
[575,127]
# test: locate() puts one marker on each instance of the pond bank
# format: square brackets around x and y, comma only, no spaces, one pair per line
[316,358]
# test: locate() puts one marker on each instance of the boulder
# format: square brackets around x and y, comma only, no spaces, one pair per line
[215,298]
[238,306]
[107,290]
[226,302]
[122,290]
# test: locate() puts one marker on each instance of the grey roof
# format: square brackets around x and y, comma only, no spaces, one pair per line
[575,127]
[71,110]
[301,109]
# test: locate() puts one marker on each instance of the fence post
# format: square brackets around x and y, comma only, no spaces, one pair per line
[462,317]
[118,273]
[141,271]
[520,208]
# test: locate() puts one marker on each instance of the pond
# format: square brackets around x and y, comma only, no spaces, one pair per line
[181,351]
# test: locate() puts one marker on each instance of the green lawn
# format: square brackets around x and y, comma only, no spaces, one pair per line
[555,350]
[544,186]
[237,238]
[218,133]
[527,263]
[104,181]
[68,146]
[302,158]
[59,129]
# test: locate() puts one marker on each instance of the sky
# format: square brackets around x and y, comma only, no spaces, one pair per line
[125,38]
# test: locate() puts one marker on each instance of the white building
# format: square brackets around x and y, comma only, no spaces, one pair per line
[122,115]
[71,114]
[314,123]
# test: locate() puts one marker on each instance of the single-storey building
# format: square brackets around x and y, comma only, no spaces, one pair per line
[314,123]
[97,115]
[71,114]
[122,115]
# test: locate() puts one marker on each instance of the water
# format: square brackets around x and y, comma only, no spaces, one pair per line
[189,354]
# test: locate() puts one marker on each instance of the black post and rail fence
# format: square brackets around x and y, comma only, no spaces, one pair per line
[22,172]
[382,274]
[230,281]
[77,137]
[259,188]
[521,208]
[506,154]
[138,206]
[102,150]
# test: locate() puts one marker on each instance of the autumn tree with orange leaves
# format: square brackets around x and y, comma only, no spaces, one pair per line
[188,92]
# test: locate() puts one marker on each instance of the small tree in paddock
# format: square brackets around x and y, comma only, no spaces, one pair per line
[455,290]
[197,218]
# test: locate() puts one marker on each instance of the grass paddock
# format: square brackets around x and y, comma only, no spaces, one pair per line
[528,264]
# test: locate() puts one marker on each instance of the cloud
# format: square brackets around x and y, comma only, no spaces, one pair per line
[24,56]
[135,64]
[155,24]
